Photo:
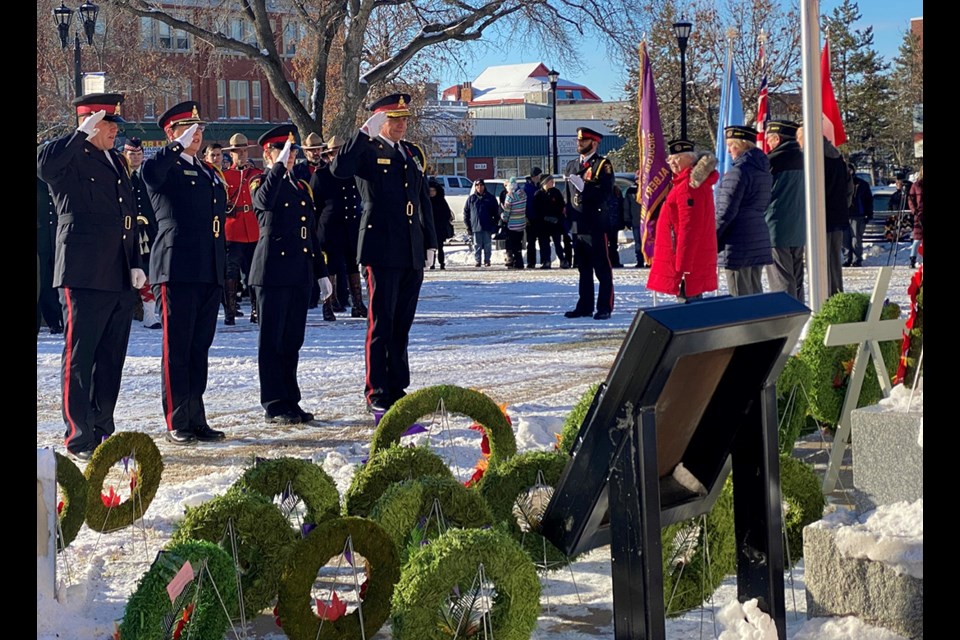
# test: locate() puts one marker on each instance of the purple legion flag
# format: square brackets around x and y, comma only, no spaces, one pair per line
[654,173]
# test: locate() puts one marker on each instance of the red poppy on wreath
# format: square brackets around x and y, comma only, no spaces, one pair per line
[60,507]
[484,461]
[110,500]
[913,290]
[276,616]
[133,480]
[336,609]
[182,622]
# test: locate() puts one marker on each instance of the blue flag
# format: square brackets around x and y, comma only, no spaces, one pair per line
[731,113]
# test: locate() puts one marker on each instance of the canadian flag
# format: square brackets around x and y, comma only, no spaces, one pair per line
[832,124]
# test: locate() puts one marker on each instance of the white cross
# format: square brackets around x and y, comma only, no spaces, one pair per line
[867,335]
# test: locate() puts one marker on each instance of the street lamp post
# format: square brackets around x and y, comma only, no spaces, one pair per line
[87,16]
[682,29]
[554,76]
[546,156]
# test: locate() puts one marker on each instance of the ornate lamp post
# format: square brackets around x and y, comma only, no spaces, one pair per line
[62,17]
[554,76]
[682,29]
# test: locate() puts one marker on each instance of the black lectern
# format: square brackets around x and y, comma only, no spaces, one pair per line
[690,395]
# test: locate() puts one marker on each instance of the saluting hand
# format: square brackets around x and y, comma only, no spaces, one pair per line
[284,153]
[576,181]
[89,125]
[374,123]
[186,138]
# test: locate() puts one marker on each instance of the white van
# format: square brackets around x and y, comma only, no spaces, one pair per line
[454,185]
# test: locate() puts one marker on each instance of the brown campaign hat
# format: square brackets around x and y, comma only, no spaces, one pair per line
[335,142]
[238,141]
[312,141]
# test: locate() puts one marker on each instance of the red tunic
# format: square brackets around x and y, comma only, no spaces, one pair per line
[242,223]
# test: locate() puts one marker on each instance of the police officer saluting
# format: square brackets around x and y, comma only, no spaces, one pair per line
[186,267]
[590,197]
[285,265]
[396,240]
[97,266]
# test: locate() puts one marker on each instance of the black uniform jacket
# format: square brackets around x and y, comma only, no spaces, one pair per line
[338,207]
[97,215]
[288,252]
[589,208]
[189,200]
[396,227]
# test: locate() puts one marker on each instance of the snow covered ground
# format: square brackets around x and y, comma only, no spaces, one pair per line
[501,332]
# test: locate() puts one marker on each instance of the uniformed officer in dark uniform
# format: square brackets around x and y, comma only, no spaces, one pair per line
[396,239]
[48,300]
[286,263]
[146,226]
[338,210]
[97,266]
[186,266]
[590,185]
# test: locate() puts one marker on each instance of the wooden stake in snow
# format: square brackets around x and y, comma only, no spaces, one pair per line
[867,335]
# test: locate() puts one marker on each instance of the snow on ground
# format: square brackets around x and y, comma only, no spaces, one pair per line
[501,332]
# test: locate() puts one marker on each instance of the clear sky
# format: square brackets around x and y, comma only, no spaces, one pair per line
[890,18]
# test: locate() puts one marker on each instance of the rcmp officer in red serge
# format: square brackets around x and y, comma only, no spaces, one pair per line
[396,240]
[97,265]
[286,263]
[590,185]
[241,226]
[186,267]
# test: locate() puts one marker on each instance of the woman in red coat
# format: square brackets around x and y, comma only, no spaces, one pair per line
[685,250]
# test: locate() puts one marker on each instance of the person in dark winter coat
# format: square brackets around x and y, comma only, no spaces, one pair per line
[481,213]
[743,238]
[532,230]
[685,249]
[548,209]
[860,212]
[915,200]
[786,215]
[442,219]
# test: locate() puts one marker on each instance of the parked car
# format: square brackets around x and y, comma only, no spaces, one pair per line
[454,185]
[885,220]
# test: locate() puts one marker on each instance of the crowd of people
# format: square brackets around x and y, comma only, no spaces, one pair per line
[196,226]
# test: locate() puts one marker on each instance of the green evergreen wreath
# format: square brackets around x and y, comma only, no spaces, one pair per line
[111,451]
[404,504]
[326,541]
[393,464]
[802,502]
[74,496]
[143,618]
[687,576]
[828,381]
[427,581]
[468,402]
[571,426]
[793,408]
[309,481]
[505,483]
[263,536]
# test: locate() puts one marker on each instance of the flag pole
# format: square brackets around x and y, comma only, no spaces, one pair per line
[813,153]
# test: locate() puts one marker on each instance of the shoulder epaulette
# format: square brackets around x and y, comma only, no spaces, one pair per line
[306,185]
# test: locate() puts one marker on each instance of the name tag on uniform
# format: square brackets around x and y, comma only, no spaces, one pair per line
[188,172]
[383,160]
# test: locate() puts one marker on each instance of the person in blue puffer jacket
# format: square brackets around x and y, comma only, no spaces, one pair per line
[743,239]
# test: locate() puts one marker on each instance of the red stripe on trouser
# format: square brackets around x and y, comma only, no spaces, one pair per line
[371,286]
[68,359]
[168,399]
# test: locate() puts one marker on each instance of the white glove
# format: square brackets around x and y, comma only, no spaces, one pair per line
[89,125]
[326,288]
[186,138]
[576,181]
[431,254]
[284,153]
[138,278]
[374,123]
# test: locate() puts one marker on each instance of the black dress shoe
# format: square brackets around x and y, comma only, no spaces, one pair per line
[377,406]
[175,436]
[287,417]
[305,416]
[204,433]
[84,455]
[601,315]
[576,313]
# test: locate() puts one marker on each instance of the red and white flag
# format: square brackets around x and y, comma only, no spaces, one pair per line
[763,108]
[832,124]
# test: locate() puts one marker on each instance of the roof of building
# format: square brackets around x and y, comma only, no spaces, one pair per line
[509,83]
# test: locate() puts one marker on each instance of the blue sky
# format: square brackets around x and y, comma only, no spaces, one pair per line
[890,18]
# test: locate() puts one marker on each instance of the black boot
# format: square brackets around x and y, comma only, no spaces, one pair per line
[328,311]
[357,310]
[913,262]
[334,302]
[229,301]
[253,307]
